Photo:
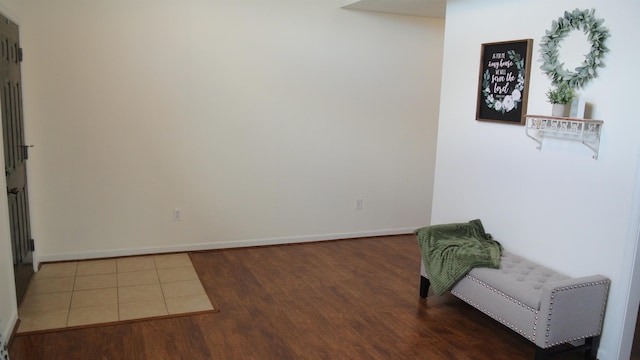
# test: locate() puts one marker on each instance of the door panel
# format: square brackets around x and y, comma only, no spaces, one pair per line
[15,155]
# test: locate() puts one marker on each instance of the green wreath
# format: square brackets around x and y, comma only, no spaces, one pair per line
[510,101]
[585,21]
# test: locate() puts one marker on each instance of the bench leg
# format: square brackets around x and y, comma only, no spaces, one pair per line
[590,348]
[424,287]
[542,354]
[592,344]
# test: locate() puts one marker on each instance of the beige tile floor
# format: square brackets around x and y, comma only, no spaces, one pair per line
[101,291]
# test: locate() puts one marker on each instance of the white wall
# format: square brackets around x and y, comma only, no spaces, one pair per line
[8,307]
[263,121]
[558,205]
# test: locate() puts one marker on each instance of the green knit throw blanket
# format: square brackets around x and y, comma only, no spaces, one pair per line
[450,251]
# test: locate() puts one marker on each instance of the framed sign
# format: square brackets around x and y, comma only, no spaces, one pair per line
[503,86]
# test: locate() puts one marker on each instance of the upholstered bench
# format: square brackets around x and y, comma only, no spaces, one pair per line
[545,307]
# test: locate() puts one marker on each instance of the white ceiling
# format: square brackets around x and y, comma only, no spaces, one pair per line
[427,8]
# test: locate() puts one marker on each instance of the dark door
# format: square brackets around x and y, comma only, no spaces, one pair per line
[15,155]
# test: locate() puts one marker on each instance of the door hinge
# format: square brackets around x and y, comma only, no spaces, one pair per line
[32,245]
[19,54]
[25,151]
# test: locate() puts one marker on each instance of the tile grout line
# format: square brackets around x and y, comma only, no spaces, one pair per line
[73,290]
[118,289]
[164,298]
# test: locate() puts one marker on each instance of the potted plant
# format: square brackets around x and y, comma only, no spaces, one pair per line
[559,96]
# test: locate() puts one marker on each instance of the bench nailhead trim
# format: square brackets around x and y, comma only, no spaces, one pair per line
[571,287]
[499,319]
[535,323]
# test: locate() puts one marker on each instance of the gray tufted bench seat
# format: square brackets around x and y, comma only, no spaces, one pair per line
[545,307]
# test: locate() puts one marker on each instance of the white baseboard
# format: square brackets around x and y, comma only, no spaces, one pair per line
[9,325]
[99,254]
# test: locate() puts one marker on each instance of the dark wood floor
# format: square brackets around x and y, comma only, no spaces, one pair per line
[347,299]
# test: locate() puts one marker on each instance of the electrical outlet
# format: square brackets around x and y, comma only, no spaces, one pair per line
[177,214]
[358,204]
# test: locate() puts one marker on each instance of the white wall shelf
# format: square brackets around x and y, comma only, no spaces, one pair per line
[584,130]
[424,8]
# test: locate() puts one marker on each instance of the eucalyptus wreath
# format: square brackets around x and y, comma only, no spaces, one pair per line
[510,101]
[583,20]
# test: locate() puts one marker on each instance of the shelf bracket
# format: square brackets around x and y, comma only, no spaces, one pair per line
[584,130]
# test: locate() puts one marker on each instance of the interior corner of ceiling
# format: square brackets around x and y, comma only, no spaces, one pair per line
[348,3]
